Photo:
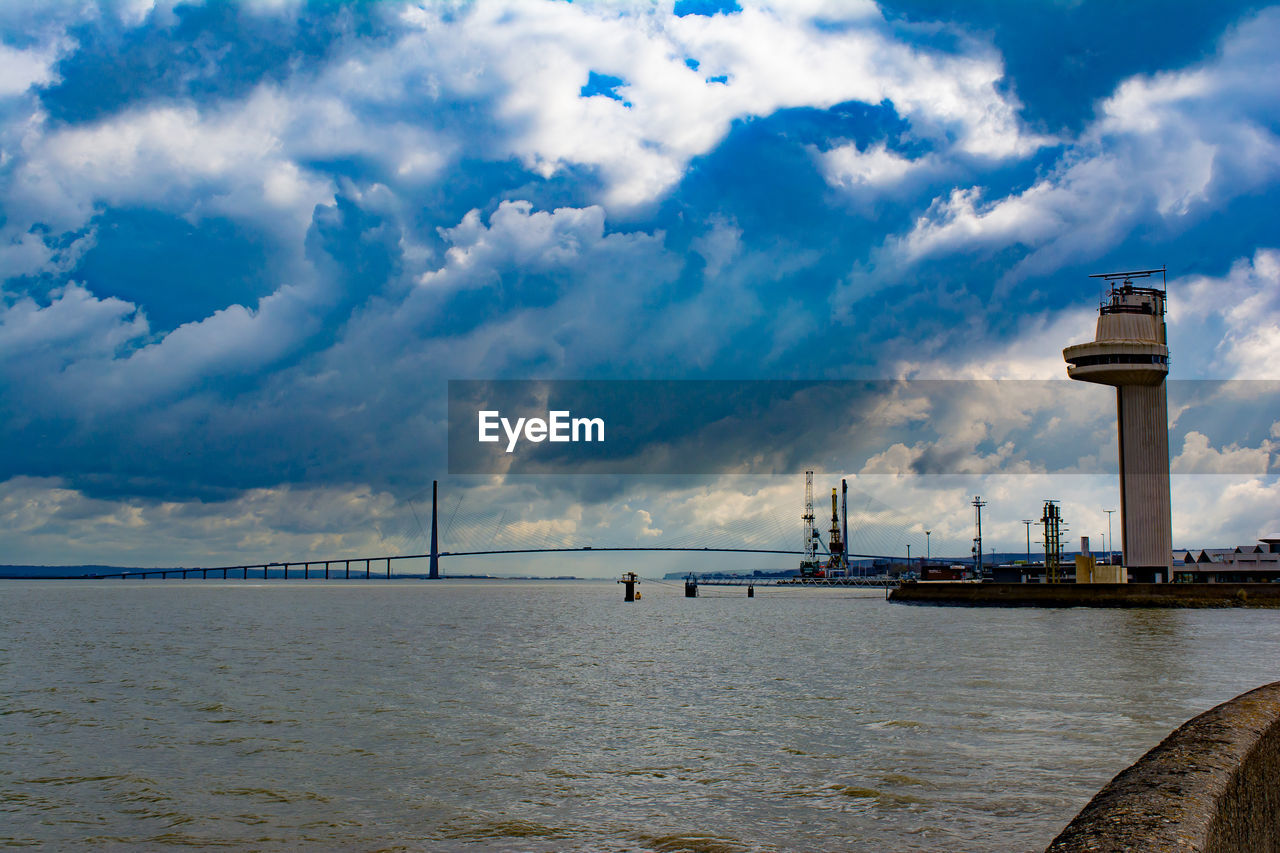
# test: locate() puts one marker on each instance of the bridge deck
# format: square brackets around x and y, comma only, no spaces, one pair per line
[344,568]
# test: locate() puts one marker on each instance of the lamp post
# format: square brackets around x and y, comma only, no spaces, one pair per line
[1110,541]
[928,551]
[1028,522]
[978,504]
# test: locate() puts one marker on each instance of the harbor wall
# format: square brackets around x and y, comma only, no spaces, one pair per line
[1213,786]
[1089,595]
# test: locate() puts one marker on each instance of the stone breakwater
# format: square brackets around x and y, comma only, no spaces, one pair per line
[1212,786]
[1089,595]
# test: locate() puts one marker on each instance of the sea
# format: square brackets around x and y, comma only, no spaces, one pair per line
[462,715]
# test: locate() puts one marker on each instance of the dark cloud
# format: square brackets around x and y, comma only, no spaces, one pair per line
[250,248]
[173,270]
[1062,57]
[202,52]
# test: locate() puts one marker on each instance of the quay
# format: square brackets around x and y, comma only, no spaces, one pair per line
[1212,786]
[971,594]
[877,581]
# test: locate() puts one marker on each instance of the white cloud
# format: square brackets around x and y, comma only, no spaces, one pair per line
[1165,147]
[1208,510]
[1229,326]
[719,246]
[518,238]
[226,160]
[74,325]
[1199,457]
[1224,510]
[22,69]
[566,298]
[896,410]
[83,355]
[233,340]
[845,166]
[247,158]
[1034,352]
[25,254]
[771,57]
[40,516]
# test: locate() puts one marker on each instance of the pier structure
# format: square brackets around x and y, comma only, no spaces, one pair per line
[1130,352]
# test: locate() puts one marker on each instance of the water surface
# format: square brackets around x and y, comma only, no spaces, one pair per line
[515,716]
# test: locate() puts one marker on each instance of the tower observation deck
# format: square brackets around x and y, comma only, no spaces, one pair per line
[1130,351]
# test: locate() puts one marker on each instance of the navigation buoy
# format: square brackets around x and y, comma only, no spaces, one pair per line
[629,581]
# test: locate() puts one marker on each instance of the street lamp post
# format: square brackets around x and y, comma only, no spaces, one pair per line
[928,551]
[1028,522]
[978,504]
[1110,542]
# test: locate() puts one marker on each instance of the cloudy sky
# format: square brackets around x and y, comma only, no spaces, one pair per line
[245,247]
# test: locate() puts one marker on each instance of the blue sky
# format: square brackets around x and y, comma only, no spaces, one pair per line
[245,246]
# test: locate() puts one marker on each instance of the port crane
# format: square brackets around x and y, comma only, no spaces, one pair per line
[837,561]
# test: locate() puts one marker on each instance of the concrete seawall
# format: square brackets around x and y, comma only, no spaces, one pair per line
[1213,786]
[1090,595]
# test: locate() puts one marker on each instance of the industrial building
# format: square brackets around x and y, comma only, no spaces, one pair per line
[1242,564]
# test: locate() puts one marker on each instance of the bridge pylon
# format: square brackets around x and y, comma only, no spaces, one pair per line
[434,571]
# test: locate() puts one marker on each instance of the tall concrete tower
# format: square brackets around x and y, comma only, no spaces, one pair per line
[1130,352]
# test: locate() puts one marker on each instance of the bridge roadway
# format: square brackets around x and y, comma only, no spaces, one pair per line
[327,570]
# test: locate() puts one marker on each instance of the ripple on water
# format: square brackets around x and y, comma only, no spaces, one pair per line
[832,794]
[903,779]
[269,795]
[80,780]
[895,724]
[883,798]
[691,842]
[484,828]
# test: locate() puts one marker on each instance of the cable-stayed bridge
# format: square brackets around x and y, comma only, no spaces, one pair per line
[876,532]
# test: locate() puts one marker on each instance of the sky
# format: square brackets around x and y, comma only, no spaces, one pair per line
[245,247]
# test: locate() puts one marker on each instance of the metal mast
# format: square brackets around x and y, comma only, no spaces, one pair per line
[1052,521]
[810,548]
[978,504]
[836,546]
[844,521]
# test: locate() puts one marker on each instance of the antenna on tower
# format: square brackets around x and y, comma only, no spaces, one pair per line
[1128,277]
